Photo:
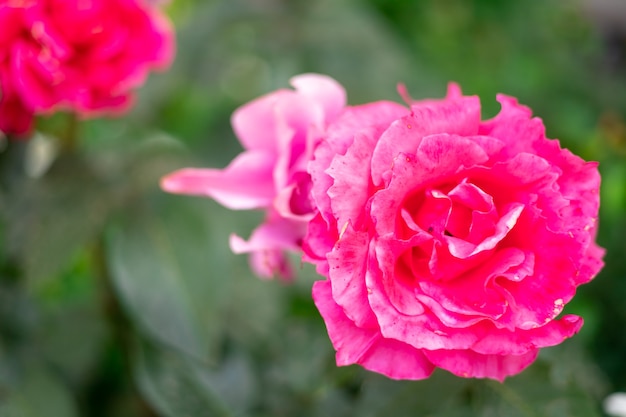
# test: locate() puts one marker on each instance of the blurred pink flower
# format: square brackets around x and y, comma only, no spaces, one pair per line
[448,241]
[83,55]
[278,132]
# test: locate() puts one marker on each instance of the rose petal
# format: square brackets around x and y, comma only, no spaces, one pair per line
[255,122]
[339,137]
[366,346]
[267,245]
[321,89]
[505,342]
[459,249]
[349,191]
[268,263]
[397,282]
[274,234]
[15,116]
[456,117]
[245,183]
[347,262]
[423,331]
[438,156]
[467,363]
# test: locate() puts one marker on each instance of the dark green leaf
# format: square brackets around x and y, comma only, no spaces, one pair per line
[178,386]
[440,395]
[154,279]
[50,218]
[72,337]
[38,394]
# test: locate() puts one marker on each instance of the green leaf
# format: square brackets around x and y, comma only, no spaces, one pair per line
[72,338]
[551,387]
[50,218]
[154,279]
[440,395]
[178,386]
[548,388]
[560,383]
[38,394]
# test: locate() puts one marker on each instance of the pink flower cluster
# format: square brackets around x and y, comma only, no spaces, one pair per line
[445,240]
[83,55]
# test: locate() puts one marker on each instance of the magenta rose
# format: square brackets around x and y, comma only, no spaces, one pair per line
[84,56]
[448,241]
[278,133]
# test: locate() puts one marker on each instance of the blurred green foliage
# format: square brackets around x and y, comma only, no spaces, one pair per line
[119,300]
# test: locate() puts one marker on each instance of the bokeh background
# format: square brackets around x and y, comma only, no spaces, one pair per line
[117,299]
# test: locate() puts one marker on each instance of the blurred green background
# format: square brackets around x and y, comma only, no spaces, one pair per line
[117,299]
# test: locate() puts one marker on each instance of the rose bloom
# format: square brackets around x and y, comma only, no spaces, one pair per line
[278,133]
[83,55]
[448,241]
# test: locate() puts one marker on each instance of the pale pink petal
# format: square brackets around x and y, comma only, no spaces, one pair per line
[267,246]
[298,121]
[279,121]
[254,123]
[322,90]
[268,263]
[245,183]
[277,234]
[321,181]
[293,202]
[318,241]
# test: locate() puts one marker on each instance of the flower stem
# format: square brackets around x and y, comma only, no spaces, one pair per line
[69,139]
[121,328]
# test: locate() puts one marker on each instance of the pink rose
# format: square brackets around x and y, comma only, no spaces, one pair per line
[449,241]
[278,132]
[73,54]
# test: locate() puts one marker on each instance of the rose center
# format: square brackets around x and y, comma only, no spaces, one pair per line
[462,211]
[453,227]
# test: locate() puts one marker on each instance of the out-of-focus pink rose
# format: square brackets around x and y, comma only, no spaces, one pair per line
[83,55]
[449,241]
[278,133]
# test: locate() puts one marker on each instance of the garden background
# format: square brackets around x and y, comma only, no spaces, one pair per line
[117,299]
